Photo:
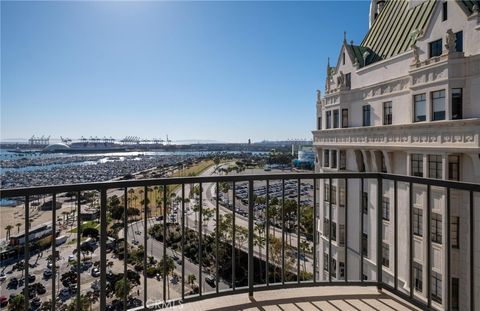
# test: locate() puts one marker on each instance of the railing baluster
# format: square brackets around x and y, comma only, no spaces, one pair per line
[379,232]
[103,251]
[330,230]
[200,255]
[361,228]
[217,237]
[164,268]
[79,236]
[395,232]
[345,234]
[145,241]
[448,248]
[315,220]
[267,230]
[233,236]
[410,237]
[26,250]
[183,241]
[54,250]
[125,249]
[283,231]
[429,250]
[472,254]
[298,231]
[250,238]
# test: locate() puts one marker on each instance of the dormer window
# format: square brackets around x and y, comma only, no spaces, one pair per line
[435,48]
[343,58]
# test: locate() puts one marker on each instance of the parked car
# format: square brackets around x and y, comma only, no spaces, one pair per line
[64,293]
[13,283]
[95,272]
[3,277]
[47,274]
[210,280]
[3,301]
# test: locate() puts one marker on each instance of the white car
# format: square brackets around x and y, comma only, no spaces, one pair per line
[71,258]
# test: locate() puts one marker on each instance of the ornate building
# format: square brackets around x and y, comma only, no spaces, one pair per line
[405,101]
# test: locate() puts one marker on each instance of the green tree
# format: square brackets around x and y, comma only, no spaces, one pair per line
[8,228]
[170,267]
[122,288]
[191,279]
[17,303]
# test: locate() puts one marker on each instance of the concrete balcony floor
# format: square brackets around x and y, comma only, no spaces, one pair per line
[306,299]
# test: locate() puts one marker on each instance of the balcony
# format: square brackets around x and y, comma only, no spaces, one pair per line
[439,134]
[212,240]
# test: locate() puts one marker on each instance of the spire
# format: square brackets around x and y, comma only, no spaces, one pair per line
[344,37]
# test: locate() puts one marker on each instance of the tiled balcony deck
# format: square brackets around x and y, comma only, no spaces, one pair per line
[306,299]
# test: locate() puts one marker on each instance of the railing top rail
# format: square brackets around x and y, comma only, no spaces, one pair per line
[18,192]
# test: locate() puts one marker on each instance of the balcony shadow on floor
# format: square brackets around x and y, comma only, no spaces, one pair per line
[330,300]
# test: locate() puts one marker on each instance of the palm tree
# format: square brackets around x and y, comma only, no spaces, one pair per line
[8,228]
[259,240]
[191,279]
[18,225]
[170,267]
[304,247]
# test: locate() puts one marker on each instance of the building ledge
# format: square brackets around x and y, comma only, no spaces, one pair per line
[439,134]
[308,298]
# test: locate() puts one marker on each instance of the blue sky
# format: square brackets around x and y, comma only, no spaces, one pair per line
[225,71]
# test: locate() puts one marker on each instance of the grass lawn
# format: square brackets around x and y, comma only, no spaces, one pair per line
[85,225]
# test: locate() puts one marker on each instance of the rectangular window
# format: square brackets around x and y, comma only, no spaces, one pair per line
[341,195]
[334,231]
[417,222]
[457,104]
[436,286]
[420,110]
[336,118]
[366,115]
[344,117]
[438,105]
[417,276]
[326,193]
[343,160]
[319,123]
[342,269]
[435,48]
[454,227]
[333,272]
[334,158]
[416,164]
[326,158]
[325,261]
[386,208]
[455,294]
[365,244]
[365,202]
[348,80]
[387,113]
[326,227]
[341,234]
[329,119]
[435,166]
[445,11]
[436,228]
[334,195]
[454,167]
[459,41]
[385,255]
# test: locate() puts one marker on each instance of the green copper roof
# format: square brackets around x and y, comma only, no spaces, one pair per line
[395,29]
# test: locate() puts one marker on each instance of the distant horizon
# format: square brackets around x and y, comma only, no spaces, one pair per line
[230,71]
[179,141]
